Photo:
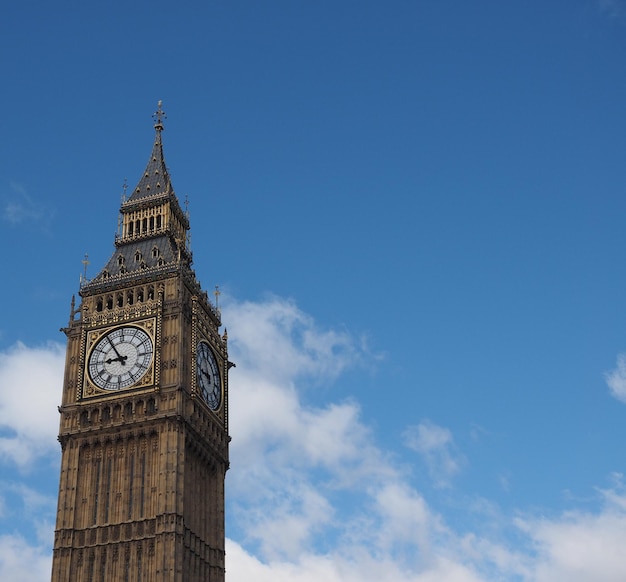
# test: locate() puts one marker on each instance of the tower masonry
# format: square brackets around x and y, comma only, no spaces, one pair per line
[144,411]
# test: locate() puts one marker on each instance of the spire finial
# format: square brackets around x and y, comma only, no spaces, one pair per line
[85,262]
[159,116]
[217,294]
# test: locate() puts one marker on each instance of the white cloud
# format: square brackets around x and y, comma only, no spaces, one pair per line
[616,379]
[30,390]
[241,566]
[580,546]
[23,562]
[20,207]
[436,445]
[280,343]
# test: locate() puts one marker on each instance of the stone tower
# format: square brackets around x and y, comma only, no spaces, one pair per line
[144,413]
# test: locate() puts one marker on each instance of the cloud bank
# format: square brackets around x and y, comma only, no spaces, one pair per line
[311,494]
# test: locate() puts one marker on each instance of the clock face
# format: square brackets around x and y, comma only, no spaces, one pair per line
[120,358]
[208,376]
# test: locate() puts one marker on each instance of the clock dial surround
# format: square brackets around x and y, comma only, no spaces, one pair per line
[120,358]
[208,376]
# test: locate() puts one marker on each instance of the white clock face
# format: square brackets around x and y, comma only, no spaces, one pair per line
[120,358]
[208,376]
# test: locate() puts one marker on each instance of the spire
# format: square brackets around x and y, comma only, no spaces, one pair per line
[155,179]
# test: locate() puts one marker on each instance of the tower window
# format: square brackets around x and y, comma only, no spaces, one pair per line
[99,304]
[150,292]
[130,229]
[152,223]
[155,252]
[120,299]
[120,260]
[130,297]
[140,295]
[137,256]
[158,221]
[109,301]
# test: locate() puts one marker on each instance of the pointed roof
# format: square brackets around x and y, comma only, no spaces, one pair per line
[155,179]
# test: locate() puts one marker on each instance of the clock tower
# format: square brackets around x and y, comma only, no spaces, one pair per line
[144,412]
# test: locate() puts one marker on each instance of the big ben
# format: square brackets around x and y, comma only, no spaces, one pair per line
[144,411]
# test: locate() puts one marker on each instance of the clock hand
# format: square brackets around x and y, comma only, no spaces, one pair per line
[121,359]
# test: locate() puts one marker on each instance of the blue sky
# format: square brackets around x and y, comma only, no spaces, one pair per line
[415,213]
